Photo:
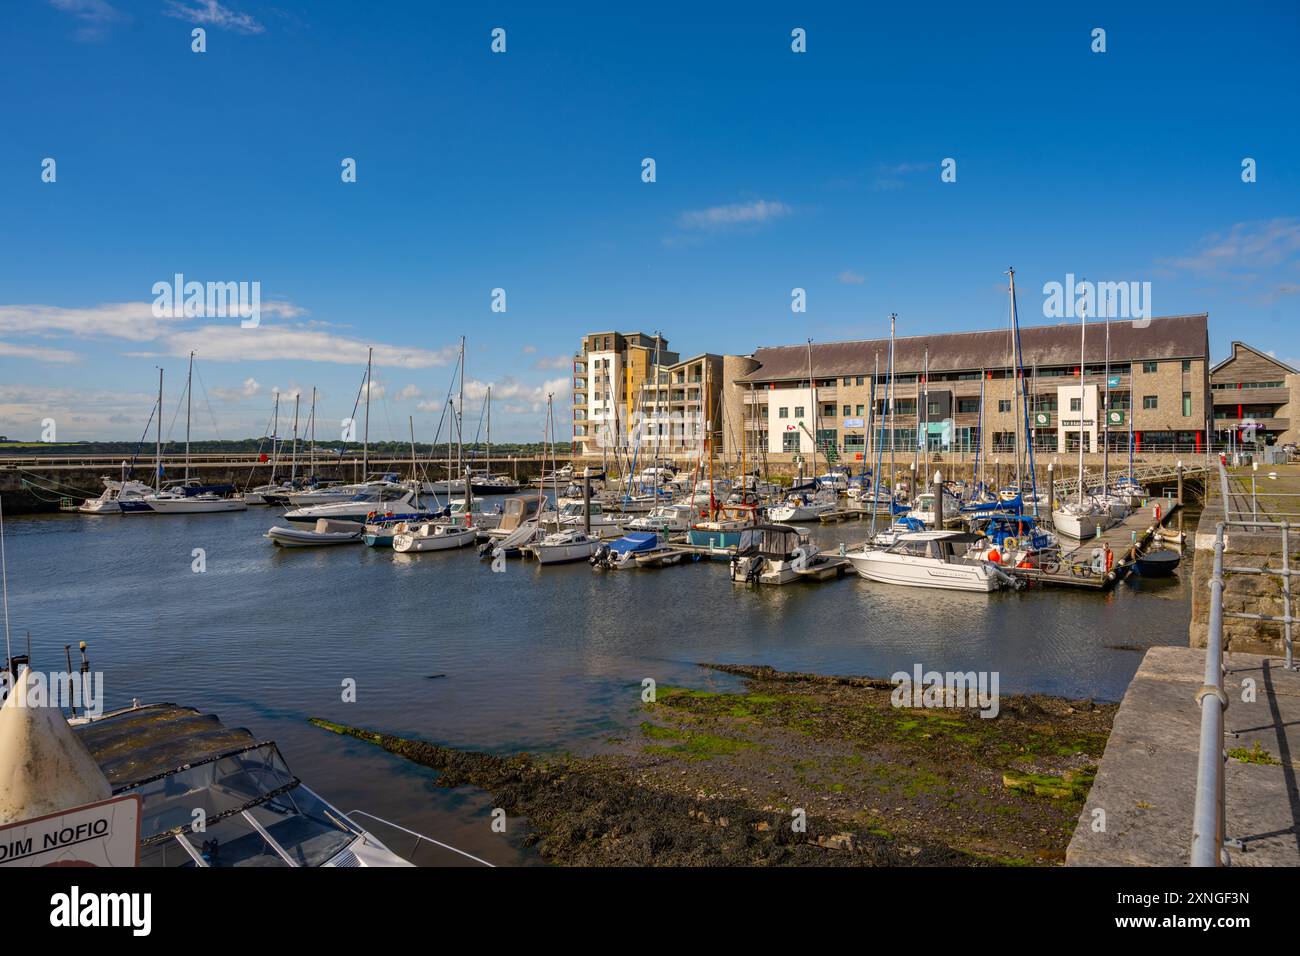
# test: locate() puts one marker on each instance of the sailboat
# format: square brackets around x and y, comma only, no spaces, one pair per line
[1084,517]
[189,497]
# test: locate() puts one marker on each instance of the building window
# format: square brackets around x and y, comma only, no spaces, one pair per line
[1076,404]
[1148,366]
[798,411]
[847,380]
[1004,404]
[783,412]
[1187,404]
[848,410]
[828,411]
[764,412]
[861,409]
[968,406]
[855,443]
[861,380]
[933,408]
[790,442]
[1187,365]
[1149,401]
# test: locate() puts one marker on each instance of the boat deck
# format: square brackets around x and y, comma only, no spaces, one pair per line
[1126,539]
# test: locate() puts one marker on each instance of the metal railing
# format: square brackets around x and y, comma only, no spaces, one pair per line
[1209,836]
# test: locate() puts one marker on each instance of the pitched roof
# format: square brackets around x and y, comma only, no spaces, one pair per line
[1168,337]
[1250,348]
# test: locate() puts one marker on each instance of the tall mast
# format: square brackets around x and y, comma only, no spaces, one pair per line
[460,405]
[812,386]
[293,466]
[487,467]
[365,439]
[1083,333]
[275,429]
[1020,366]
[313,430]
[892,318]
[925,434]
[1105,410]
[414,467]
[157,461]
[708,440]
[189,403]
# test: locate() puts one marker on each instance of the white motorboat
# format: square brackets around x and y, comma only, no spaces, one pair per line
[268,494]
[666,519]
[563,546]
[110,501]
[1082,520]
[804,507]
[603,524]
[479,517]
[374,497]
[929,559]
[326,531]
[431,536]
[324,494]
[196,501]
[923,508]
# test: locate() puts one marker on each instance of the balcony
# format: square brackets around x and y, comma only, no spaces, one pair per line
[1251,396]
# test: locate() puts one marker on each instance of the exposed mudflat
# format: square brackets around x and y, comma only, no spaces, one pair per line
[719,779]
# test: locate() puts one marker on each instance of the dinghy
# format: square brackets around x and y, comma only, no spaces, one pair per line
[325,531]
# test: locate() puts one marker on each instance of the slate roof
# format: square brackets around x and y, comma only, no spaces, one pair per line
[1168,337]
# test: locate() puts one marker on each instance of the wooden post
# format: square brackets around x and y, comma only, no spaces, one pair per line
[938,501]
[1180,483]
[586,500]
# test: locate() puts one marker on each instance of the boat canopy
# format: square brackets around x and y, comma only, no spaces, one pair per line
[771,540]
[636,541]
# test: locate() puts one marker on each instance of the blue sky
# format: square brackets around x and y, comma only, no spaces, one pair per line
[522,171]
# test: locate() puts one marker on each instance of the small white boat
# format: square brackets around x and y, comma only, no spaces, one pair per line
[203,502]
[805,507]
[666,519]
[779,554]
[563,546]
[110,501]
[326,531]
[603,523]
[1081,521]
[930,559]
[923,508]
[376,497]
[433,537]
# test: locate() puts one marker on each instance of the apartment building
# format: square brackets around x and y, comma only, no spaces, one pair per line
[1157,389]
[608,372]
[1255,397]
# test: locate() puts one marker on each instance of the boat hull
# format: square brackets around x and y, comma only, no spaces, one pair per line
[923,573]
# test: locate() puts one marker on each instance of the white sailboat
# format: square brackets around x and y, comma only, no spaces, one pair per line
[1084,517]
[115,492]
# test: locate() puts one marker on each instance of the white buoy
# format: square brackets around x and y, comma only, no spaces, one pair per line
[44,768]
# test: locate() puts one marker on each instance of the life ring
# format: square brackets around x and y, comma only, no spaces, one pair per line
[1010,543]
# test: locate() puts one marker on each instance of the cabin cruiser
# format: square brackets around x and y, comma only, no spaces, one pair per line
[431,536]
[923,509]
[903,524]
[474,514]
[376,497]
[518,526]
[324,493]
[802,506]
[666,519]
[778,554]
[563,546]
[722,532]
[109,501]
[325,531]
[930,559]
[492,485]
[573,514]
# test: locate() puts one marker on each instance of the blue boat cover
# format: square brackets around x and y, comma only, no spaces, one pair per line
[636,541]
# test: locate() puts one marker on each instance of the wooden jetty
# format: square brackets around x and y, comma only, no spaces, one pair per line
[1126,540]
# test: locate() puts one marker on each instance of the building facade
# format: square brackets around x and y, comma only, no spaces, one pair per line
[608,372]
[1255,397]
[956,393]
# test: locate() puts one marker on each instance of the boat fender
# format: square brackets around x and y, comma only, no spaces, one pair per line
[994,556]
[1110,558]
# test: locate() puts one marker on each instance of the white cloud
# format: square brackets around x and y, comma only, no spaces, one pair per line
[529,349]
[849,277]
[212,13]
[757,212]
[38,354]
[1253,245]
[409,392]
[554,364]
[515,395]
[249,389]
[429,405]
[133,321]
[93,15]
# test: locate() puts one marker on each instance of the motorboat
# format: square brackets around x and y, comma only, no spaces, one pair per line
[802,506]
[666,519]
[479,516]
[624,552]
[432,536]
[779,554]
[188,768]
[930,559]
[115,492]
[491,485]
[326,531]
[1015,541]
[1081,520]
[324,493]
[519,525]
[574,514]
[923,509]
[381,529]
[903,524]
[722,533]
[563,546]
[375,497]
[1130,491]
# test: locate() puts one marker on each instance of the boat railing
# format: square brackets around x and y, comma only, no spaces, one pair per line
[1240,515]
[419,837]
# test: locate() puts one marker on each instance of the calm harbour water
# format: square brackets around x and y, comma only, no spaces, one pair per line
[534,658]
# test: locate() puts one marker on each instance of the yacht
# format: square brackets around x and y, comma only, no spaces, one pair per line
[430,536]
[803,506]
[929,559]
[115,492]
[374,498]
[778,554]
[190,499]
[1081,520]
[923,508]
[573,515]
[666,519]
[563,546]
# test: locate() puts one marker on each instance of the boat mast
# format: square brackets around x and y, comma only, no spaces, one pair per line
[708,440]
[812,386]
[487,467]
[313,431]
[275,428]
[189,403]
[414,467]
[293,466]
[460,404]
[925,434]
[365,442]
[893,316]
[157,461]
[1083,333]
[1105,410]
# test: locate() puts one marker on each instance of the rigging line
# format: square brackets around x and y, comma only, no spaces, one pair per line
[208,403]
[4,586]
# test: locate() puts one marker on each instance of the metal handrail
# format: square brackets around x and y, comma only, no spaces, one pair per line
[419,837]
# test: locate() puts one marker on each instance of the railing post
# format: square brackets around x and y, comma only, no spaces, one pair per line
[1208,819]
[1286,594]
